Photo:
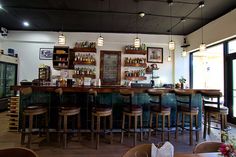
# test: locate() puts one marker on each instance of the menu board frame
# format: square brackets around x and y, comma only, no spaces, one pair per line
[117,80]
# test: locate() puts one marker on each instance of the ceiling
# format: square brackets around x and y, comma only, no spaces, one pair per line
[119,16]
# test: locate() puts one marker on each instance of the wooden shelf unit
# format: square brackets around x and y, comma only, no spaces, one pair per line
[84,63]
[83,75]
[13,113]
[61,57]
[138,52]
[132,78]
[135,64]
[85,49]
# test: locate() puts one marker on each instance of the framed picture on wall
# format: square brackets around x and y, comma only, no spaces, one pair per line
[155,55]
[45,53]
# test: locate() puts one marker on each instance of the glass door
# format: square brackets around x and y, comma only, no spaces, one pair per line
[2,80]
[10,78]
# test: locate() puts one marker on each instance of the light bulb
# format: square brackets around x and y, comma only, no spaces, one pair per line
[61,39]
[100,41]
[184,53]
[202,47]
[137,42]
[169,58]
[171,45]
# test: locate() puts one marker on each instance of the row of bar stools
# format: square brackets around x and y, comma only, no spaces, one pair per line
[66,110]
[157,108]
[31,110]
[131,110]
[99,111]
[184,107]
[213,106]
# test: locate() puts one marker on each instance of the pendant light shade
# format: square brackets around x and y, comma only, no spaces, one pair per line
[169,58]
[184,53]
[61,39]
[137,42]
[202,47]
[171,45]
[100,41]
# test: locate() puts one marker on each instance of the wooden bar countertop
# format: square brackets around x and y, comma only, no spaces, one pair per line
[101,89]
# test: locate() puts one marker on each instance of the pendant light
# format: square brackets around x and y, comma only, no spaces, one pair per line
[184,52]
[137,40]
[169,58]
[61,39]
[202,46]
[100,40]
[171,44]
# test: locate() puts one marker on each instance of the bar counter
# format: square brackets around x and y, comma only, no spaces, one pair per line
[107,95]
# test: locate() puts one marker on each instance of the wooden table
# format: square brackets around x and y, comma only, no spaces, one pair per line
[215,154]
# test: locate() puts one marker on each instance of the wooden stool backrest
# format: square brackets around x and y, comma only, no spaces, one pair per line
[93,97]
[157,95]
[206,147]
[141,149]
[127,94]
[17,152]
[26,91]
[184,97]
[206,95]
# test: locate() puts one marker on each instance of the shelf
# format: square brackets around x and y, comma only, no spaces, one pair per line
[135,64]
[60,54]
[84,63]
[60,61]
[135,78]
[85,75]
[85,49]
[138,52]
[60,67]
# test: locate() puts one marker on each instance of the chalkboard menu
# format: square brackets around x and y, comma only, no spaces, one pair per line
[110,67]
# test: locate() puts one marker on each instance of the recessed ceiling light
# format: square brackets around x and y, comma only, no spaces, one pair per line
[26,24]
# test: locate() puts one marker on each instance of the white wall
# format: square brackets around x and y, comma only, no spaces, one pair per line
[217,30]
[27,45]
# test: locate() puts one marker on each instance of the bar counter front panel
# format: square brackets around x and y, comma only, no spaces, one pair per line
[106,95]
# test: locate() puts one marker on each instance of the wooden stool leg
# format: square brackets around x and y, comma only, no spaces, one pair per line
[205,125]
[221,122]
[177,128]
[92,128]
[135,129]
[209,123]
[141,127]
[78,126]
[122,128]
[157,122]
[30,130]
[150,127]
[59,129]
[47,127]
[183,120]
[23,129]
[111,134]
[168,116]
[104,125]
[197,132]
[65,132]
[191,130]
[98,132]
[163,128]
[129,125]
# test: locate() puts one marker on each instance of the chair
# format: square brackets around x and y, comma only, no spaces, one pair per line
[31,110]
[144,149]
[206,147]
[184,107]
[213,106]
[65,110]
[131,110]
[157,108]
[99,111]
[17,152]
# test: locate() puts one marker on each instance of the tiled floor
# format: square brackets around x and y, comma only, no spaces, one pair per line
[85,148]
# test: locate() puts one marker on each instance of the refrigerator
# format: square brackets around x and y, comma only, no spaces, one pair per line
[8,78]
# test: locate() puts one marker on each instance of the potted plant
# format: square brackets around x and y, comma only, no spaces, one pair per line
[182,80]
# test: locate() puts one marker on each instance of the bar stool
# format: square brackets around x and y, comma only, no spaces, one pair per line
[184,106]
[130,110]
[213,106]
[99,111]
[66,110]
[32,110]
[158,109]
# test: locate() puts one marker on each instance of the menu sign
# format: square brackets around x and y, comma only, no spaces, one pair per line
[110,67]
